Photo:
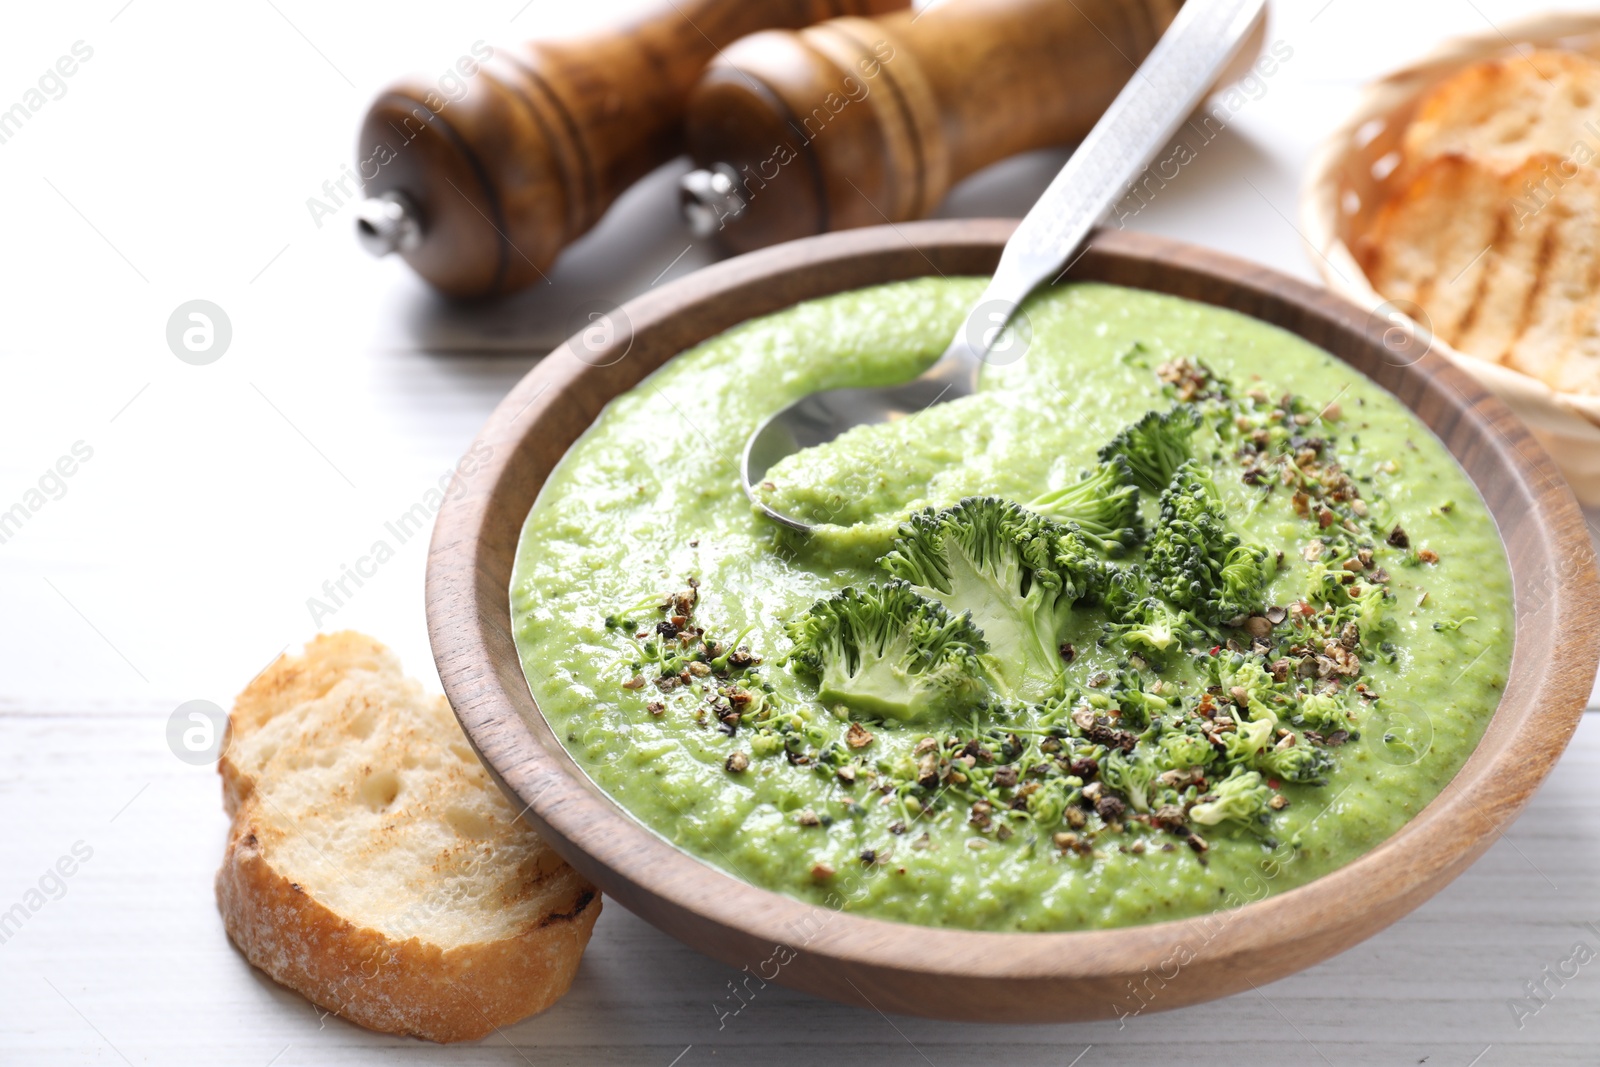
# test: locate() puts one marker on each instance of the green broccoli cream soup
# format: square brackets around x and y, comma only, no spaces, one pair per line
[1175,613]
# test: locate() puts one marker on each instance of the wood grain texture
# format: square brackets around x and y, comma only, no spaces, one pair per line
[964,974]
[543,137]
[858,122]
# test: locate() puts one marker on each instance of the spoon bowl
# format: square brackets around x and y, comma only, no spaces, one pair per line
[821,417]
[1172,80]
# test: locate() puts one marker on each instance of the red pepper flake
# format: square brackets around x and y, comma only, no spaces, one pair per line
[1272,783]
[1215,649]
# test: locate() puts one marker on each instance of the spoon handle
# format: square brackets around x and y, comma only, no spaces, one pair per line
[1162,93]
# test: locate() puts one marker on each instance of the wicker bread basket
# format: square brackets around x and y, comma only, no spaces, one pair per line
[1350,178]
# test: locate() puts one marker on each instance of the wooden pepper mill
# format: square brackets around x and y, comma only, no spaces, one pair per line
[480,181]
[858,122]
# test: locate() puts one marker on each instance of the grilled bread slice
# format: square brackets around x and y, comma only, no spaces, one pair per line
[1502,111]
[374,866]
[1428,244]
[1505,263]
[1557,337]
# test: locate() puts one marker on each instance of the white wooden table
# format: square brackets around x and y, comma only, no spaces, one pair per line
[175,164]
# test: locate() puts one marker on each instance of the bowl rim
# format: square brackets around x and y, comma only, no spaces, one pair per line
[469,626]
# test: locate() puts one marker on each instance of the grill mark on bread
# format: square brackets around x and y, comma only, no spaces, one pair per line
[1464,328]
[1427,285]
[1541,272]
[1585,325]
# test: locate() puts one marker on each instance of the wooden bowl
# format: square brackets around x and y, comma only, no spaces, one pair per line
[958,974]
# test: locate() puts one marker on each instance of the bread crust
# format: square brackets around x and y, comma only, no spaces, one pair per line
[403,978]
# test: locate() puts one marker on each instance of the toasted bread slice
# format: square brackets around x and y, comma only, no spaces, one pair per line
[368,671]
[1515,272]
[1494,227]
[1558,328]
[1505,264]
[375,867]
[1429,245]
[1501,111]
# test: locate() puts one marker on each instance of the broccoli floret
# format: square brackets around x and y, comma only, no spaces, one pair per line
[1155,446]
[1245,572]
[1190,540]
[1326,712]
[1018,574]
[1133,774]
[1186,750]
[1247,741]
[1195,561]
[1104,506]
[1297,763]
[1154,628]
[1238,671]
[1366,605]
[1142,622]
[1369,610]
[888,651]
[1050,800]
[1123,591]
[1139,706]
[1064,550]
[733,655]
[1242,797]
[1126,697]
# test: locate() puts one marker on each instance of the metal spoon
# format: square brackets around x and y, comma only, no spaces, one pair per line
[1165,89]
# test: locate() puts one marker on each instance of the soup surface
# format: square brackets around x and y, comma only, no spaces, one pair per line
[1096,667]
